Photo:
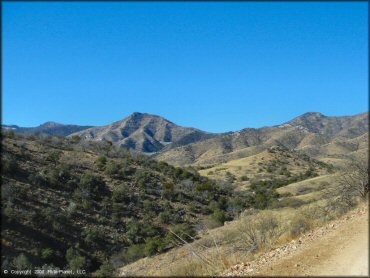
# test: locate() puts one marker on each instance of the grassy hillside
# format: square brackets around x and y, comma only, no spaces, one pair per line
[94,206]
[275,163]
[312,133]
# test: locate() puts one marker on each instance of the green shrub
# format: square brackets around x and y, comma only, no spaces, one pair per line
[180,233]
[21,262]
[9,165]
[54,156]
[101,162]
[133,253]
[91,184]
[47,253]
[105,270]
[219,215]
[153,246]
[75,260]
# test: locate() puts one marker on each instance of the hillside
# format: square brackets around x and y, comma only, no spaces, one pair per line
[276,163]
[309,133]
[96,206]
[145,133]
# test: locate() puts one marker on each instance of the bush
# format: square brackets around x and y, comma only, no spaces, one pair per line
[165,217]
[112,169]
[105,270]
[21,262]
[47,253]
[75,139]
[244,178]
[219,215]
[54,156]
[299,226]
[180,233]
[133,253]
[153,246]
[91,184]
[9,165]
[260,233]
[101,162]
[75,260]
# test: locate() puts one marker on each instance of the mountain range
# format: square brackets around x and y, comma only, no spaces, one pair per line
[48,128]
[312,133]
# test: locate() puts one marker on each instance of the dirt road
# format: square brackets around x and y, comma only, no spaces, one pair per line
[339,249]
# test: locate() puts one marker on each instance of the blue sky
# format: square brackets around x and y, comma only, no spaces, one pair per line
[215,66]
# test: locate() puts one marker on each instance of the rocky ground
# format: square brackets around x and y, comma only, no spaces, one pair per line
[338,248]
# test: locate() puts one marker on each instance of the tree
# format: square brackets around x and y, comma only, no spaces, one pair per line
[354,182]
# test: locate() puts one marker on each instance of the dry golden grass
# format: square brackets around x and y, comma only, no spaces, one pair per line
[222,247]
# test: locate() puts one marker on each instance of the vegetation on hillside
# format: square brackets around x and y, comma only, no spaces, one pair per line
[92,205]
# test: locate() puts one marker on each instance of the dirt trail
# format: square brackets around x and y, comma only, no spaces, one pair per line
[338,249]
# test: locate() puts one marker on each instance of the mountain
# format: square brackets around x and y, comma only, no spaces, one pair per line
[309,132]
[48,128]
[350,126]
[145,133]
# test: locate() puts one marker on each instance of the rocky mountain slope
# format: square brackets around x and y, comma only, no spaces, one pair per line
[48,128]
[309,132]
[145,133]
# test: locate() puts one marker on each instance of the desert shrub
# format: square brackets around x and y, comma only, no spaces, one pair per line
[47,253]
[92,235]
[54,156]
[180,233]
[133,253]
[299,225]
[153,246]
[101,162]
[354,182]
[37,179]
[75,139]
[113,169]
[75,260]
[219,215]
[138,231]
[122,194]
[105,270]
[21,262]
[91,184]
[9,165]
[258,233]
[166,217]
[244,178]
[288,202]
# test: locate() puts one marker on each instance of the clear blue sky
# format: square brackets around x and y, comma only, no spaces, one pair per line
[215,66]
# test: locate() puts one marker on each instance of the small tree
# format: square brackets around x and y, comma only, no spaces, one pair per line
[354,182]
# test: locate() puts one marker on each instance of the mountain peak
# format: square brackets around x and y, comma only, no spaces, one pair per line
[312,114]
[50,124]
